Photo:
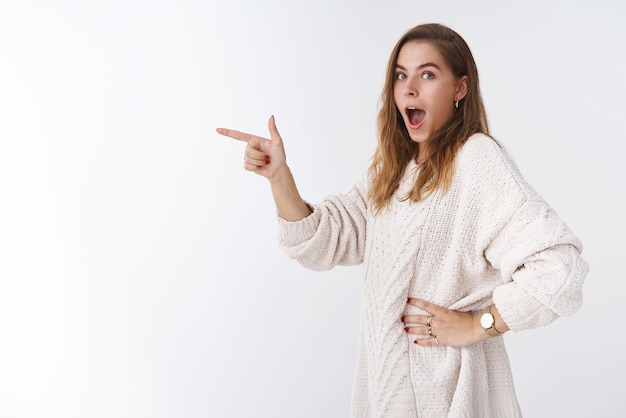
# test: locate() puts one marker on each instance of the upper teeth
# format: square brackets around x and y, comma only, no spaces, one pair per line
[411,108]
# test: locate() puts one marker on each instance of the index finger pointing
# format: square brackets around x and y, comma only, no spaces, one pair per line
[240,136]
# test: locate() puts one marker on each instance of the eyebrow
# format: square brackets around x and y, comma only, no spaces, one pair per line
[427,64]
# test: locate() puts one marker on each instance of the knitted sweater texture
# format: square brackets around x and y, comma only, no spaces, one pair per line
[489,239]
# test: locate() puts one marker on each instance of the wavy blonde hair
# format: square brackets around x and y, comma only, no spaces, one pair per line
[396,149]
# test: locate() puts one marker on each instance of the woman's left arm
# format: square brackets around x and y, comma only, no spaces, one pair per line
[539,260]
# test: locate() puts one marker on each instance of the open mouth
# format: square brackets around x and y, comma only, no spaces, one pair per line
[415,117]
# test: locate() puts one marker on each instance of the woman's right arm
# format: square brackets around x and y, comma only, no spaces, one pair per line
[334,234]
[266,157]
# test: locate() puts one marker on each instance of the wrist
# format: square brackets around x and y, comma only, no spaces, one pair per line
[289,204]
[479,331]
[487,321]
[281,177]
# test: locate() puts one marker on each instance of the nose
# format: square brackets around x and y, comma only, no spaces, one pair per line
[409,89]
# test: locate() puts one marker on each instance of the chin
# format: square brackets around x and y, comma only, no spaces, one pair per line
[419,138]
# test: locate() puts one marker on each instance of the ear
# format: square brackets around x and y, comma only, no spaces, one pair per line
[461,89]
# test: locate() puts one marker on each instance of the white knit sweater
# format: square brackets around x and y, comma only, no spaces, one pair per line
[490,239]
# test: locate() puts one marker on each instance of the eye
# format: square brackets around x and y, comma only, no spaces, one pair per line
[427,75]
[401,76]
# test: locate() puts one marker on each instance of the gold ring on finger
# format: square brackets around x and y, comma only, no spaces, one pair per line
[430,320]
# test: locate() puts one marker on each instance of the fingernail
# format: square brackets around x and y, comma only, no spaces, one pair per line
[406,329]
[267,159]
[415,342]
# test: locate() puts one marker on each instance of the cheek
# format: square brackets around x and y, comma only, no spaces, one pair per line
[439,116]
[442,114]
[444,108]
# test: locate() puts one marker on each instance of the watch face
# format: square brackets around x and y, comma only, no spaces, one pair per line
[486,320]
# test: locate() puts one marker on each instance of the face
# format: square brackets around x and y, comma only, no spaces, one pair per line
[425,90]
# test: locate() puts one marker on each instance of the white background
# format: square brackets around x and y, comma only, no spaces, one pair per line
[139,270]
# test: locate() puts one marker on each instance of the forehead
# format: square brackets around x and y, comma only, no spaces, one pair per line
[415,53]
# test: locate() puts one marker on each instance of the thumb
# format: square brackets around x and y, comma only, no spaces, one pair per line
[274,135]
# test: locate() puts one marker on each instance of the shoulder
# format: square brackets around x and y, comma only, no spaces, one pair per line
[483,154]
[480,148]
[486,164]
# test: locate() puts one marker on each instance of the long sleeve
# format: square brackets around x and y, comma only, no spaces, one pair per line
[533,252]
[540,263]
[511,237]
[334,234]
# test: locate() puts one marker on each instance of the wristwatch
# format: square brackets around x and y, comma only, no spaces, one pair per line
[488,322]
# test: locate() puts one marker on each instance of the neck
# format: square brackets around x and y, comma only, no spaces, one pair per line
[421,155]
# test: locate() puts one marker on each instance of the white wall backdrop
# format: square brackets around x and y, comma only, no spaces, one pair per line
[139,270]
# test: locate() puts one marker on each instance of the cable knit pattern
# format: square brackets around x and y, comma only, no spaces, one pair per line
[490,239]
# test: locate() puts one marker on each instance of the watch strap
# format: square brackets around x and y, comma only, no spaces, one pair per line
[492,331]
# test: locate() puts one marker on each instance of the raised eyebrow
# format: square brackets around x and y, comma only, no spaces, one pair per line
[420,67]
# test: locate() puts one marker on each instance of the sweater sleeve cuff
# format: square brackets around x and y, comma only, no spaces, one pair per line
[292,233]
[519,309]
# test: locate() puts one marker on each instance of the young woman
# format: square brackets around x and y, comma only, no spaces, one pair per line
[457,248]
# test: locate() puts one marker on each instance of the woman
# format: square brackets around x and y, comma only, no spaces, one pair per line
[457,248]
